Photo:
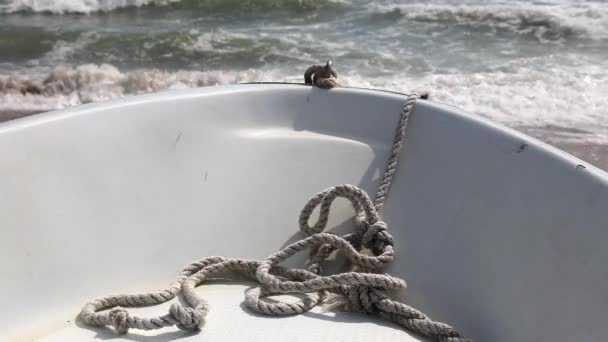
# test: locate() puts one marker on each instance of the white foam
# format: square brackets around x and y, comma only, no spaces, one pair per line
[90,6]
[569,98]
[224,42]
[67,86]
[76,6]
[62,49]
[518,95]
[554,20]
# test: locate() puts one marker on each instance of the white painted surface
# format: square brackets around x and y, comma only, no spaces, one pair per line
[498,234]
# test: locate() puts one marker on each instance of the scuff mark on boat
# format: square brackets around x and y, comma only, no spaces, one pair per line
[522,148]
[580,167]
[205,177]
[177,139]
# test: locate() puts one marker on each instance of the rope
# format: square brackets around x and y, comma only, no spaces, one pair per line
[363,288]
[391,165]
[322,76]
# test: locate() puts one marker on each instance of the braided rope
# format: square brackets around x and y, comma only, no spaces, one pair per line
[391,165]
[364,287]
[322,76]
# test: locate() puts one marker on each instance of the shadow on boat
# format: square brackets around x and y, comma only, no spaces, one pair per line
[105,333]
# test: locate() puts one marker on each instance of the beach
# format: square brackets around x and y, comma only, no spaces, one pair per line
[6,115]
[594,154]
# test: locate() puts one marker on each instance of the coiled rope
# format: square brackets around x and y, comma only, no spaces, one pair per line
[363,288]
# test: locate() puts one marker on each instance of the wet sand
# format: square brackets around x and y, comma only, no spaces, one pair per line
[6,115]
[593,153]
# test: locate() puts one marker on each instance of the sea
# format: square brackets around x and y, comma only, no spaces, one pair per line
[537,66]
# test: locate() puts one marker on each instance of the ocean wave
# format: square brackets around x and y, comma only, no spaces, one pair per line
[192,49]
[75,6]
[521,96]
[91,6]
[546,22]
[516,95]
[70,86]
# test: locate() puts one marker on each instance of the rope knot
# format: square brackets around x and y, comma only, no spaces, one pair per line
[375,237]
[322,76]
[363,298]
[186,318]
[119,319]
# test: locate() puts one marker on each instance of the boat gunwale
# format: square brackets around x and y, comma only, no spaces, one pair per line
[192,93]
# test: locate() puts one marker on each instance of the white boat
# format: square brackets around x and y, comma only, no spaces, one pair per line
[497,234]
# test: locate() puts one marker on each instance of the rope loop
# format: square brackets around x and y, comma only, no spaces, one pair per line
[360,200]
[253,300]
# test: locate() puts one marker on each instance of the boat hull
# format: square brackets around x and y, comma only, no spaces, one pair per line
[497,234]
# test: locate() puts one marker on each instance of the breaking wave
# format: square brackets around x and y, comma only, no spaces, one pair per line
[546,22]
[75,6]
[70,86]
[496,94]
[91,6]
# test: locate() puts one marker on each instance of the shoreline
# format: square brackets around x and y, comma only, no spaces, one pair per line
[595,154]
[6,115]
